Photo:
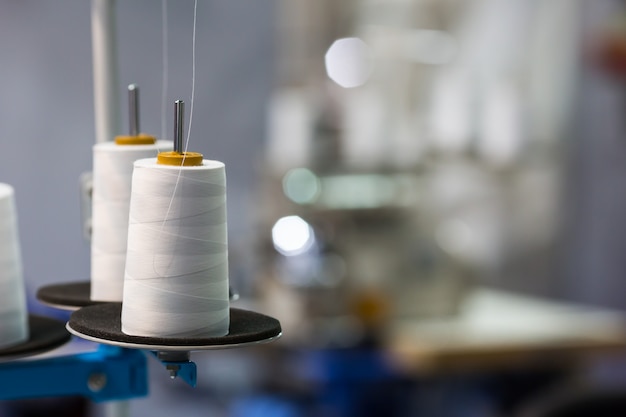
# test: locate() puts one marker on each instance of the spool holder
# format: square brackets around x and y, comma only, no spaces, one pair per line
[113,372]
[74,295]
[134,137]
[179,157]
[67,296]
[102,324]
[45,334]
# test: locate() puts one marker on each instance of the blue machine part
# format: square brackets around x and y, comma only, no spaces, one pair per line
[110,373]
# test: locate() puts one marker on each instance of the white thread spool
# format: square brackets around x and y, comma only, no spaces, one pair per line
[13,313]
[112,174]
[176,282]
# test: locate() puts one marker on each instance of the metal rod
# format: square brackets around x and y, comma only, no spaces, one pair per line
[133,109]
[179,116]
[105,70]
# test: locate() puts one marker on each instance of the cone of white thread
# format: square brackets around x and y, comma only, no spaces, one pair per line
[112,174]
[13,313]
[176,281]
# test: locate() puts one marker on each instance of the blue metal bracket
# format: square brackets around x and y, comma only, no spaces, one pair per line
[110,373]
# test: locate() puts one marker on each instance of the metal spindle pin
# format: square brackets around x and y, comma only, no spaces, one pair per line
[133,109]
[179,114]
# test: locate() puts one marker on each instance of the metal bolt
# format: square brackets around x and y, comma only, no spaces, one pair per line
[97,382]
[173,370]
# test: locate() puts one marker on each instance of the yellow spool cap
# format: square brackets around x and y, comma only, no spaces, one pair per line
[188,159]
[140,139]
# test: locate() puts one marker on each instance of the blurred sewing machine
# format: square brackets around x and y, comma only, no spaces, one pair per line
[406,170]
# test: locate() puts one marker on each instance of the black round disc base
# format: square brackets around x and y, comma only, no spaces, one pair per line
[102,323]
[67,296]
[45,334]
[74,295]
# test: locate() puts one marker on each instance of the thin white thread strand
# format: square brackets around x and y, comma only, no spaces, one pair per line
[193,71]
[184,277]
[212,231]
[215,221]
[193,93]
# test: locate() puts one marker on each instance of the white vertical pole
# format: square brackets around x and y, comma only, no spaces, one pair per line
[105,71]
[106,100]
